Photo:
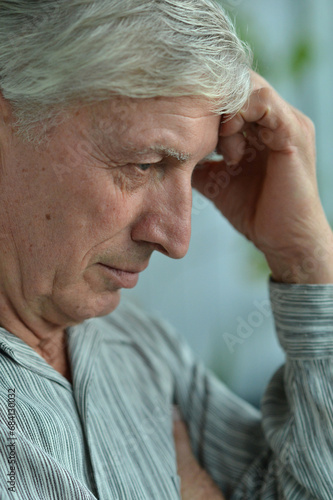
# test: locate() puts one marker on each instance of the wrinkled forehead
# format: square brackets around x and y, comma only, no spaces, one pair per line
[176,126]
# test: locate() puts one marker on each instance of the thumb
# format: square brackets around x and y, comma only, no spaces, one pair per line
[209,178]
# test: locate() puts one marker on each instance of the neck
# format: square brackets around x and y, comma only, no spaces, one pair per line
[55,352]
[49,341]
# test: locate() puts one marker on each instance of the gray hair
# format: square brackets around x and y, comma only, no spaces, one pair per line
[59,53]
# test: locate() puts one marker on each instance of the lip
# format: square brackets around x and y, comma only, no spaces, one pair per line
[123,279]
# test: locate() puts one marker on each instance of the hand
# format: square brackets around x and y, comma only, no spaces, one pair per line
[196,484]
[266,186]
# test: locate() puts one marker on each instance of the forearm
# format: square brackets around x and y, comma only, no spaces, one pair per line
[293,459]
[298,404]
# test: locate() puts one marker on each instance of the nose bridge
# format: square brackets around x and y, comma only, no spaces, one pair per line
[167,219]
[180,220]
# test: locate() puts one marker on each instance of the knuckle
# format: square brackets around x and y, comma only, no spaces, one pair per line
[267,94]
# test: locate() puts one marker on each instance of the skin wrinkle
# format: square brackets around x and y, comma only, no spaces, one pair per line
[100,211]
[104,129]
[164,151]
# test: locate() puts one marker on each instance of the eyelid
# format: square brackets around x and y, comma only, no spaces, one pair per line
[152,163]
[139,165]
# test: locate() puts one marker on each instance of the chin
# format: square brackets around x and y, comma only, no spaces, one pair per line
[71,313]
[76,306]
[101,306]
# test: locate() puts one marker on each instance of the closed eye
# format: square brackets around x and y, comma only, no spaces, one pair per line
[144,166]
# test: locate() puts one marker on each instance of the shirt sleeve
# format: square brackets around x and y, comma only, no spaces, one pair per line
[286,451]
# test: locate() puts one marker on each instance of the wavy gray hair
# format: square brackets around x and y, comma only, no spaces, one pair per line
[59,53]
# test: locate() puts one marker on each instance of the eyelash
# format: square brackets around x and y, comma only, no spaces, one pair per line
[149,166]
[139,165]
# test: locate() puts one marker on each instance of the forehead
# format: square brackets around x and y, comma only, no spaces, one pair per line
[174,126]
[191,106]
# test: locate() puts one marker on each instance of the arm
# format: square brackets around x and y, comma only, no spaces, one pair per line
[272,198]
[286,452]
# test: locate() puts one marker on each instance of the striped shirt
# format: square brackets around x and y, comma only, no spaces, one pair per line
[109,434]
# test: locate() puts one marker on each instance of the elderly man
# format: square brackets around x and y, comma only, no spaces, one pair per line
[109,111]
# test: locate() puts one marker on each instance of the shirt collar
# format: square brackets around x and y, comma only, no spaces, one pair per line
[20,352]
[84,341]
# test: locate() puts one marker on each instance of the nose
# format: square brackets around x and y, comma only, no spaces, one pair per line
[165,220]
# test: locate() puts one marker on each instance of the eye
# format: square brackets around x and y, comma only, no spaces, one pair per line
[144,166]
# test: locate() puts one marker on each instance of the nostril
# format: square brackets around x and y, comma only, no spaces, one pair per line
[160,248]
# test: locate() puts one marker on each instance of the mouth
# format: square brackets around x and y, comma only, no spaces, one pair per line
[121,277]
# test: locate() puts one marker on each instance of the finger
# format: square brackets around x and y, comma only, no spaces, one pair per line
[280,129]
[258,81]
[231,125]
[267,109]
[234,124]
[274,140]
[232,148]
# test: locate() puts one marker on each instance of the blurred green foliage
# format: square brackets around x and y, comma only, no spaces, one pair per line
[294,62]
[302,56]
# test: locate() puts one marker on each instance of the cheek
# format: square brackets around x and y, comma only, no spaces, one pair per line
[91,201]
[109,210]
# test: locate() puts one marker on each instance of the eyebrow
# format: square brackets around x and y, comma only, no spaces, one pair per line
[181,156]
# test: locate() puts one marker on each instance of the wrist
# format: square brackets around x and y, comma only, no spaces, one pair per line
[307,266]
